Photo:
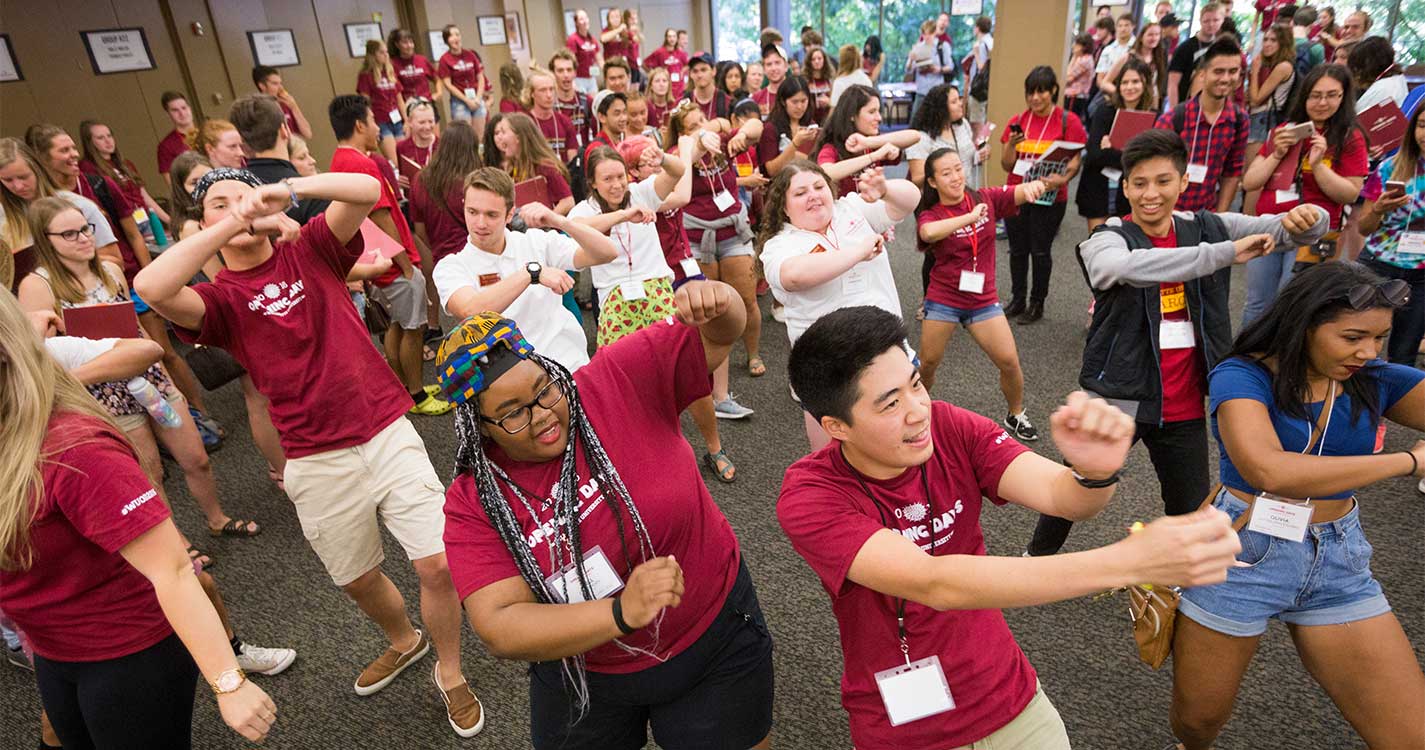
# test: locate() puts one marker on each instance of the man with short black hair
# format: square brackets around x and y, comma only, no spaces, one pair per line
[1172,33]
[1111,54]
[704,92]
[1214,127]
[616,74]
[1190,52]
[259,120]
[888,517]
[175,105]
[1162,315]
[268,80]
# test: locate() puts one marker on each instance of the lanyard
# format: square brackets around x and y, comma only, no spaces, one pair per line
[974,237]
[1042,130]
[1196,126]
[1311,427]
[626,243]
[930,519]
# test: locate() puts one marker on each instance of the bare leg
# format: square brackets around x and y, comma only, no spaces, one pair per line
[210,587]
[934,338]
[187,449]
[176,366]
[720,378]
[706,420]
[1207,673]
[440,612]
[997,340]
[374,593]
[259,421]
[1369,670]
[739,272]
[388,148]
[412,342]
[392,345]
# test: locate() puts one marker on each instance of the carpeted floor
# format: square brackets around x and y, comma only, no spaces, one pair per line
[280,596]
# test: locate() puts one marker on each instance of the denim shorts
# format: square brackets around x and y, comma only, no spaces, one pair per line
[1260,126]
[458,110]
[1323,580]
[963,316]
[728,248]
[395,130]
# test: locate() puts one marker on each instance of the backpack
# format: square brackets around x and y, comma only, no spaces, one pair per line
[980,84]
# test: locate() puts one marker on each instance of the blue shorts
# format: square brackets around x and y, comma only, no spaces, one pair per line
[1324,580]
[963,316]
[458,110]
[393,130]
[140,307]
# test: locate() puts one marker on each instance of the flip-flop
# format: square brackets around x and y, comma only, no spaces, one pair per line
[756,367]
[203,559]
[235,527]
[711,460]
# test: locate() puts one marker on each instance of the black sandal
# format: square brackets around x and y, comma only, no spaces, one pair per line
[236,527]
[198,556]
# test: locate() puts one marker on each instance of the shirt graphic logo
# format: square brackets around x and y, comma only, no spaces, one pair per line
[277,299]
[591,498]
[134,504]
[915,512]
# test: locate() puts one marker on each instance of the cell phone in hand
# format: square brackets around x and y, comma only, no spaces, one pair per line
[1016,129]
[1394,189]
[1302,130]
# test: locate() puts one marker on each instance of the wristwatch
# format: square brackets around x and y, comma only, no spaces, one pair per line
[229,682]
[534,268]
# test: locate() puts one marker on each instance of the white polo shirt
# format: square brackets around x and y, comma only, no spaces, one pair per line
[551,330]
[640,253]
[867,283]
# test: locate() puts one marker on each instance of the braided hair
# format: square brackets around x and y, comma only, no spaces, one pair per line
[564,543]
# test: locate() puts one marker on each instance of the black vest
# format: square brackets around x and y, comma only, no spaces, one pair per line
[1122,359]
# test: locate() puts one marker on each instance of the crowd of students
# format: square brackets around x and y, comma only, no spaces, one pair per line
[665,196]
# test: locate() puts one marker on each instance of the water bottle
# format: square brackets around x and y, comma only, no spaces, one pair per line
[140,217]
[158,407]
[160,237]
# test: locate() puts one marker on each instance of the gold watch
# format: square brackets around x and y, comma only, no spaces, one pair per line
[228,682]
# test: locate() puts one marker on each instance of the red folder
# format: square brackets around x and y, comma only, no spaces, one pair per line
[1384,125]
[1128,123]
[533,190]
[115,320]
[1285,176]
[377,243]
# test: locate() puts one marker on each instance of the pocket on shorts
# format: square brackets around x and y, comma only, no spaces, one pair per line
[1358,550]
[1255,546]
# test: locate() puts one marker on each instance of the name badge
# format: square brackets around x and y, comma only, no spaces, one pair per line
[1022,166]
[396,115]
[675,77]
[1197,173]
[854,282]
[723,200]
[603,581]
[486,279]
[631,290]
[469,93]
[1288,196]
[972,282]
[1176,334]
[690,267]
[1411,243]
[1282,520]
[914,691]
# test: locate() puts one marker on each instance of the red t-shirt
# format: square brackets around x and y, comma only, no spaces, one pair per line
[80,600]
[713,175]
[131,189]
[444,223]
[510,105]
[657,113]
[560,133]
[411,159]
[576,110]
[817,88]
[415,74]
[462,70]
[288,117]
[968,249]
[765,98]
[1353,161]
[171,147]
[647,379]
[384,94]
[586,53]
[1184,375]
[847,185]
[347,159]
[1040,133]
[291,324]
[674,239]
[675,61]
[556,186]
[771,144]
[828,518]
[601,139]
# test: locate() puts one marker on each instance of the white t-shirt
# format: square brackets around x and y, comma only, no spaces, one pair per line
[1393,88]
[103,233]
[1111,55]
[640,254]
[856,77]
[551,330]
[867,283]
[72,351]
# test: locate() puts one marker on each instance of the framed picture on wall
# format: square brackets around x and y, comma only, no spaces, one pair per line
[9,66]
[514,31]
[966,7]
[437,45]
[274,47]
[569,24]
[598,23]
[117,50]
[492,30]
[357,35]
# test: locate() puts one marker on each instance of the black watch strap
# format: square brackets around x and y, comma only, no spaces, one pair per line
[534,269]
[623,626]
[1096,484]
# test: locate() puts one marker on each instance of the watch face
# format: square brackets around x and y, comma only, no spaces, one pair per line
[229,681]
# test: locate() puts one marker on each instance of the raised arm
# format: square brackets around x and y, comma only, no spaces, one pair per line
[672,170]
[595,247]
[814,269]
[840,170]
[682,191]
[935,231]
[128,358]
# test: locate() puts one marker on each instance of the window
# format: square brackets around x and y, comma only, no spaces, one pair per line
[850,22]
[736,29]
[900,31]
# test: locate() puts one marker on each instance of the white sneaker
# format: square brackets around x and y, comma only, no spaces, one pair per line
[779,313]
[268,661]
[1422,486]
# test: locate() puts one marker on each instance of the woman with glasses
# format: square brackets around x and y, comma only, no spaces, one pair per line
[1295,407]
[593,551]
[1327,170]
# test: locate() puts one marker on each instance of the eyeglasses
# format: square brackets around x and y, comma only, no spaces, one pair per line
[72,235]
[1324,96]
[1395,293]
[517,420]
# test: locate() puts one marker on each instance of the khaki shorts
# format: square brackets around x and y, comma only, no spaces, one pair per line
[406,301]
[1037,727]
[340,494]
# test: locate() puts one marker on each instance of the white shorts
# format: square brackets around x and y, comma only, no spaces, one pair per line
[340,494]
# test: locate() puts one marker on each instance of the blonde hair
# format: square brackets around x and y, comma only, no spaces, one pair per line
[668,98]
[370,65]
[534,148]
[16,231]
[207,134]
[62,281]
[33,388]
[848,60]
[7,265]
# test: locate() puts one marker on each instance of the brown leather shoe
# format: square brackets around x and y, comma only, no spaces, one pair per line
[379,673]
[462,708]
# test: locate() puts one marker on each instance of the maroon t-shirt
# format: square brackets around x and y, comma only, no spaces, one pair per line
[657,113]
[131,189]
[288,117]
[828,518]
[817,88]
[765,98]
[462,70]
[578,112]
[713,175]
[415,74]
[510,105]
[290,322]
[674,239]
[556,186]
[770,146]
[1353,160]
[171,147]
[646,379]
[559,131]
[970,248]
[384,94]
[411,159]
[347,159]
[586,53]
[675,61]
[847,185]
[80,600]
[443,221]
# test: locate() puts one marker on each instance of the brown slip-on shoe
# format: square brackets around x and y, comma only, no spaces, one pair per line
[462,708]
[379,673]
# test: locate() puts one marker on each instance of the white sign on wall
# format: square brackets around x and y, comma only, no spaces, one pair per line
[966,7]
[9,67]
[357,34]
[492,30]
[437,45]
[117,50]
[274,47]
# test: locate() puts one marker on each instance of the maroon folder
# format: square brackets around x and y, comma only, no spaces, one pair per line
[1384,125]
[115,320]
[533,190]
[1128,123]
[1285,176]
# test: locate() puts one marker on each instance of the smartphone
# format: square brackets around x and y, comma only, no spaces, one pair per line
[1302,130]
[1016,129]
[1394,188]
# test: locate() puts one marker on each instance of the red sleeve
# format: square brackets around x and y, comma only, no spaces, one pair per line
[363,85]
[572,44]
[104,493]
[827,155]
[1268,145]
[767,145]
[987,448]
[823,522]
[1002,199]
[667,363]
[215,328]
[1355,159]
[556,185]
[1076,133]
[443,69]
[476,554]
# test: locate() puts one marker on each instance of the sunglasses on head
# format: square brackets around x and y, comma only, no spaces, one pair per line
[1395,293]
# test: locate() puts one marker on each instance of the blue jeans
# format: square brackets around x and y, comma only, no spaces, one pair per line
[1265,277]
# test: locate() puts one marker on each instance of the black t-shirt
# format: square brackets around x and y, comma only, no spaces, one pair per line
[1185,61]
[277,170]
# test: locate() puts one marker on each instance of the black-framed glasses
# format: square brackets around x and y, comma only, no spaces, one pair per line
[1395,293]
[518,419]
[72,235]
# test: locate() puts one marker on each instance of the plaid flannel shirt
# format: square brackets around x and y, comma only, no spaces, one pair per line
[1220,146]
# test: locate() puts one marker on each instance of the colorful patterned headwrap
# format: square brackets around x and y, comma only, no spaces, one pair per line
[476,353]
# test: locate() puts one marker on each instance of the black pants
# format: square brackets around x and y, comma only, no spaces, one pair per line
[140,701]
[925,267]
[1178,451]
[1031,237]
[1408,324]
